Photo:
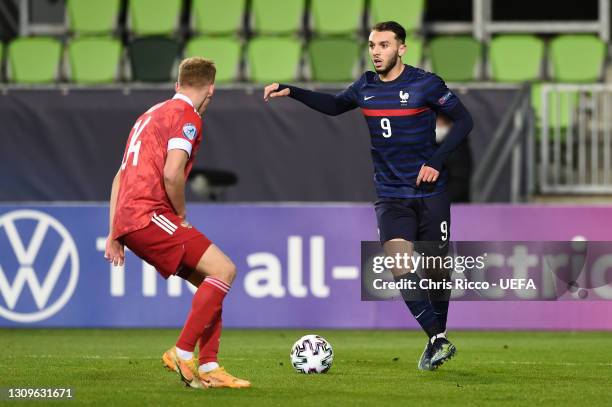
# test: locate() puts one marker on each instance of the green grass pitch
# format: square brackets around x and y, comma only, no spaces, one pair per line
[123,367]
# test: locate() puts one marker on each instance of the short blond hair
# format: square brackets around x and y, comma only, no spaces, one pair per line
[196,72]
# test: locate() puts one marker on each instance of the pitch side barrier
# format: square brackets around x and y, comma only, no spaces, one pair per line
[76,135]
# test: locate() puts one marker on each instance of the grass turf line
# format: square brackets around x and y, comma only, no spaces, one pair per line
[122,367]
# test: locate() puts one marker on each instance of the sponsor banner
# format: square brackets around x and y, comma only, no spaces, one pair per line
[298,266]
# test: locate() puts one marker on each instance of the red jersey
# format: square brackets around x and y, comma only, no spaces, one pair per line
[173,124]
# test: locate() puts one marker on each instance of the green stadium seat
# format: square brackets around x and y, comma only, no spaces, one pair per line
[409,13]
[93,17]
[277,16]
[516,58]
[94,60]
[34,60]
[153,59]
[414,52]
[577,58]
[225,52]
[217,18]
[154,17]
[1,62]
[264,67]
[455,58]
[337,17]
[333,59]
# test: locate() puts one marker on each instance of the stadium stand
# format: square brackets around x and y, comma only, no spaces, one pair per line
[409,13]
[414,52]
[277,17]
[234,33]
[86,17]
[455,58]
[225,51]
[34,60]
[153,59]
[94,60]
[577,58]
[273,59]
[340,17]
[1,62]
[154,17]
[333,59]
[209,19]
[516,58]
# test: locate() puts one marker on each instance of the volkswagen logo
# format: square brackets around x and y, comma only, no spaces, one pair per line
[59,255]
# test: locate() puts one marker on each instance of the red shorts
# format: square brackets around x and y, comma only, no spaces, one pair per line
[168,246]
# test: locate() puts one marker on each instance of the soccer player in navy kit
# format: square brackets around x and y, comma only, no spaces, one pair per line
[400,104]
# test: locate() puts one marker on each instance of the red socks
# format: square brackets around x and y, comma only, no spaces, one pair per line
[209,342]
[204,320]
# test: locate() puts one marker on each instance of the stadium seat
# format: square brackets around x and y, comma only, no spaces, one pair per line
[277,16]
[273,59]
[414,52]
[455,59]
[92,17]
[209,18]
[225,52]
[333,59]
[94,60]
[338,17]
[409,13]
[577,58]
[1,62]
[154,17]
[516,58]
[34,60]
[153,59]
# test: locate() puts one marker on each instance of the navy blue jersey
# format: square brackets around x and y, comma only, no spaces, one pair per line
[401,115]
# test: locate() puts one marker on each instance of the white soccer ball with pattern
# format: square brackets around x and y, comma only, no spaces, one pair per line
[312,354]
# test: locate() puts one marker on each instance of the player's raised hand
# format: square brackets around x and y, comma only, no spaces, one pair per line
[270,91]
[427,174]
[114,252]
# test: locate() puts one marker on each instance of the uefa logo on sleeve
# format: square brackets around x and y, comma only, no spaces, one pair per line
[189,131]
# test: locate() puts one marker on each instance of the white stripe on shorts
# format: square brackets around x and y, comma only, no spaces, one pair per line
[162,226]
[165,221]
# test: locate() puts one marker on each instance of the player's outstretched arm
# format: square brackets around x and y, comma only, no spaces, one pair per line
[114,251]
[332,105]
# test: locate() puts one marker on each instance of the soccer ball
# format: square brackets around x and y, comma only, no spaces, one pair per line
[312,354]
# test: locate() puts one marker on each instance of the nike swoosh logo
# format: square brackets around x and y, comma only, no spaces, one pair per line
[368,97]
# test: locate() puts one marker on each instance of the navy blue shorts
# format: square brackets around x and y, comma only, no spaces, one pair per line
[414,219]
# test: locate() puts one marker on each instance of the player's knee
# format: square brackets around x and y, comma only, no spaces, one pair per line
[225,272]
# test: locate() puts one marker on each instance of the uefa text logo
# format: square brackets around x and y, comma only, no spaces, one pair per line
[41,278]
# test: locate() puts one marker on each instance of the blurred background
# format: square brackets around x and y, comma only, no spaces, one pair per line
[284,190]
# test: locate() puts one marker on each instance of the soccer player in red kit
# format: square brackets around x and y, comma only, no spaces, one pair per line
[147,214]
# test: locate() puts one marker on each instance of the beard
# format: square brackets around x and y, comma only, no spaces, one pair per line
[389,66]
